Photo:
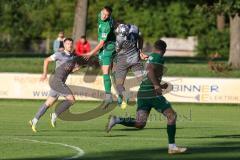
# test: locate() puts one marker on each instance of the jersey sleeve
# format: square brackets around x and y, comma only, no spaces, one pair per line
[155,59]
[134,29]
[133,34]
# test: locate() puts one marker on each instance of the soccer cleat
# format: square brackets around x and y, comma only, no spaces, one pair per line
[53,120]
[124,105]
[33,126]
[111,123]
[177,150]
[125,102]
[108,98]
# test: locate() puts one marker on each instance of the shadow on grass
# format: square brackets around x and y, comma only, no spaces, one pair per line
[230,136]
[154,128]
[227,136]
[195,153]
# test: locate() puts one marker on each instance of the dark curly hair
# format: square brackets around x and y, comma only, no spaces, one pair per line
[160,45]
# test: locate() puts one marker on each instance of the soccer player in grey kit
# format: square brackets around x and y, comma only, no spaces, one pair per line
[66,63]
[129,51]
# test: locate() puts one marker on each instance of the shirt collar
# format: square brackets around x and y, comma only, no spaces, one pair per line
[67,53]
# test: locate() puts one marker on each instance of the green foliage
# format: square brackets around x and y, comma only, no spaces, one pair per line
[230,7]
[24,23]
[178,17]
[168,19]
[214,42]
[155,18]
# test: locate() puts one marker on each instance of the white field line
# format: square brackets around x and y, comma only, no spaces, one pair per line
[80,152]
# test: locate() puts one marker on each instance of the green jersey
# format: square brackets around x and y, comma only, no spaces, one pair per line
[147,97]
[106,29]
[106,33]
[146,89]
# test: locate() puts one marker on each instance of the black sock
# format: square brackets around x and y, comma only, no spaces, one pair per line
[129,122]
[171,131]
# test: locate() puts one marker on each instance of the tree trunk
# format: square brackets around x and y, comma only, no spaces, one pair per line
[220,22]
[80,19]
[234,55]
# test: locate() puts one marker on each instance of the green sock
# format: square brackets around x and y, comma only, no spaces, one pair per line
[107,83]
[171,131]
[129,122]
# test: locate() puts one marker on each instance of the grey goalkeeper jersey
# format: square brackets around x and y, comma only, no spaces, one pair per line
[65,62]
[127,46]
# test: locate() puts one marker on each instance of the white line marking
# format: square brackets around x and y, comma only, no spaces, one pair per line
[80,152]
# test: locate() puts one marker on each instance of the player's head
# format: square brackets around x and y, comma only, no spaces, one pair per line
[68,44]
[83,39]
[122,30]
[106,13]
[160,46]
[61,34]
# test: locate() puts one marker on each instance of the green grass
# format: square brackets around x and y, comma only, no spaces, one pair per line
[197,70]
[209,131]
[188,68]
[26,65]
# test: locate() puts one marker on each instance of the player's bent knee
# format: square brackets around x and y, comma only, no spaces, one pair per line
[105,69]
[71,99]
[140,125]
[49,104]
[172,117]
[120,88]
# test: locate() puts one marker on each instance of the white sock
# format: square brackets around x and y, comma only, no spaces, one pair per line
[54,116]
[108,95]
[172,145]
[34,121]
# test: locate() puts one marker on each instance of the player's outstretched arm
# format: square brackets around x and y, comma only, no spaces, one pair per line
[45,68]
[140,43]
[143,56]
[140,47]
[95,50]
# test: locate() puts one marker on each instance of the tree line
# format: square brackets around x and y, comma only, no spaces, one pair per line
[215,23]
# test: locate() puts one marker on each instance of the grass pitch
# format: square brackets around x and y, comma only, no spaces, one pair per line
[182,68]
[209,131]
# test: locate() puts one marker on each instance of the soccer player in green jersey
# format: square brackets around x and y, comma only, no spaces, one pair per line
[150,96]
[105,47]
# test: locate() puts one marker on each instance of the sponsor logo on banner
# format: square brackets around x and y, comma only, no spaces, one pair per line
[195,90]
